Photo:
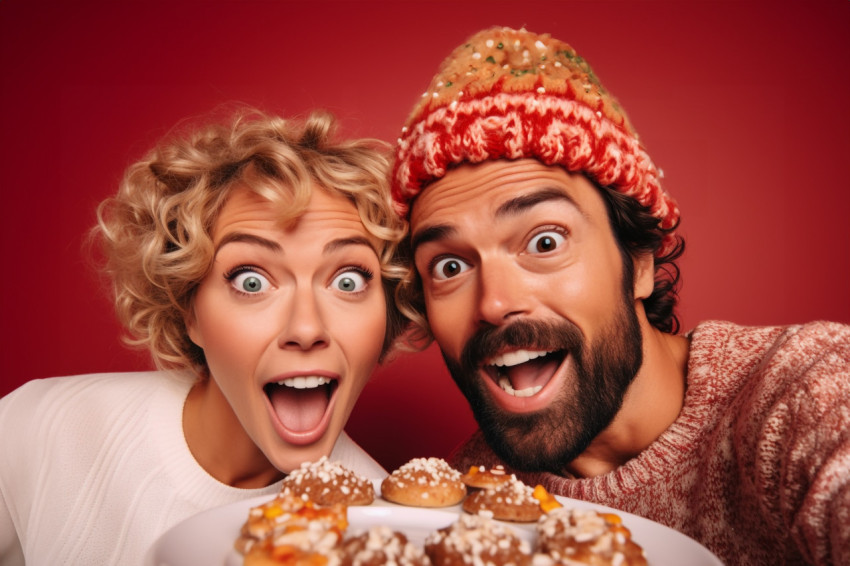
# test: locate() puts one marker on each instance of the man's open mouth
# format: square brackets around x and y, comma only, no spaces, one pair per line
[524,373]
[300,403]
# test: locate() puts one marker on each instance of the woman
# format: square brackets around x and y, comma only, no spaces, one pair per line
[255,260]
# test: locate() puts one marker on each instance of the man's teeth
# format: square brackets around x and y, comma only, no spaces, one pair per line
[506,386]
[515,358]
[304,382]
[510,359]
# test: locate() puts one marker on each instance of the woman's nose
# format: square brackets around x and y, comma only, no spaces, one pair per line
[303,325]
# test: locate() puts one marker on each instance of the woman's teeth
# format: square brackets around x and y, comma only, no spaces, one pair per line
[305,382]
[506,386]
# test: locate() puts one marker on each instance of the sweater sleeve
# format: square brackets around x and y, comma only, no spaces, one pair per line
[10,547]
[11,553]
[796,441]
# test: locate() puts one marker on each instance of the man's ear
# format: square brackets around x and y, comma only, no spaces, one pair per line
[644,280]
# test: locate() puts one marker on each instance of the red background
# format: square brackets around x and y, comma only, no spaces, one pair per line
[743,105]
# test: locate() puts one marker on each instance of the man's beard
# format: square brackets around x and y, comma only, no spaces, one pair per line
[589,399]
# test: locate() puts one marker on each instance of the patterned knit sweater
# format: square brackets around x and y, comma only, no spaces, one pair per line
[757,465]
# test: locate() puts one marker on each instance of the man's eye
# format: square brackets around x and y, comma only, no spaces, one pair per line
[349,282]
[448,268]
[250,282]
[544,242]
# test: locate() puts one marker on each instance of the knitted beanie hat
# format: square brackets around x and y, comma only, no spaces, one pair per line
[508,94]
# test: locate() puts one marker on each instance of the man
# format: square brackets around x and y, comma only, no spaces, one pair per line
[544,257]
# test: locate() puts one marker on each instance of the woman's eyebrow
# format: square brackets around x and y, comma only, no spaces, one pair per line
[331,246]
[249,239]
[334,245]
[522,203]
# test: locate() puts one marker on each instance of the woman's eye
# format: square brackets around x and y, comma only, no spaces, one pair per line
[250,282]
[349,282]
[544,242]
[448,268]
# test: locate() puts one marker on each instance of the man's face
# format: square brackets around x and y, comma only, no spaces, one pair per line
[524,292]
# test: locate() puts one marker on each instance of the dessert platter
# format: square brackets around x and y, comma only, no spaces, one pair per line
[424,513]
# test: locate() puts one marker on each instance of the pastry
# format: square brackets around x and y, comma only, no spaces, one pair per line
[380,546]
[424,482]
[474,539]
[480,477]
[587,537]
[327,483]
[511,500]
[290,531]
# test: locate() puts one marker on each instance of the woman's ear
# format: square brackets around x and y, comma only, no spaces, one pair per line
[192,328]
[644,280]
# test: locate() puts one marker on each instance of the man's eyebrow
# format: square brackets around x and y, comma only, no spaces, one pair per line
[249,239]
[522,203]
[431,234]
[511,207]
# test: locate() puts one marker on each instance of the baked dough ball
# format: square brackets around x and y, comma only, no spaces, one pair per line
[328,483]
[380,546]
[263,520]
[308,552]
[480,477]
[288,530]
[587,537]
[424,482]
[474,539]
[512,500]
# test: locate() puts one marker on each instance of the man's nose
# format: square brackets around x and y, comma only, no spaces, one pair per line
[502,293]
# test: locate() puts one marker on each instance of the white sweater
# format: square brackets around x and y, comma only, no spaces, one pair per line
[93,469]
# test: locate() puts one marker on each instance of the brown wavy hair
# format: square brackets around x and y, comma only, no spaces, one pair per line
[155,233]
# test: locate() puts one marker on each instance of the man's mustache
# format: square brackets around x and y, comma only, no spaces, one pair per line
[522,334]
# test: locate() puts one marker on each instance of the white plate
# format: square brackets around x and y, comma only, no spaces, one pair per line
[207,538]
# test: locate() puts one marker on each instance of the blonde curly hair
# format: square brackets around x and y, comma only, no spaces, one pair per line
[155,233]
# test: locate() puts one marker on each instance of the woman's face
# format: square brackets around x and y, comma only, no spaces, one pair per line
[291,321]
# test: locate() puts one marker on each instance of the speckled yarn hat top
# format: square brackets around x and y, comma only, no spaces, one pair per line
[508,94]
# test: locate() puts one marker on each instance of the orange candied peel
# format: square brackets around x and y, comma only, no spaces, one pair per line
[272,511]
[546,499]
[334,516]
[293,556]
[616,524]
[497,470]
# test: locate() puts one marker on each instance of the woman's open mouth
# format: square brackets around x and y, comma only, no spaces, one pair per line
[302,403]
